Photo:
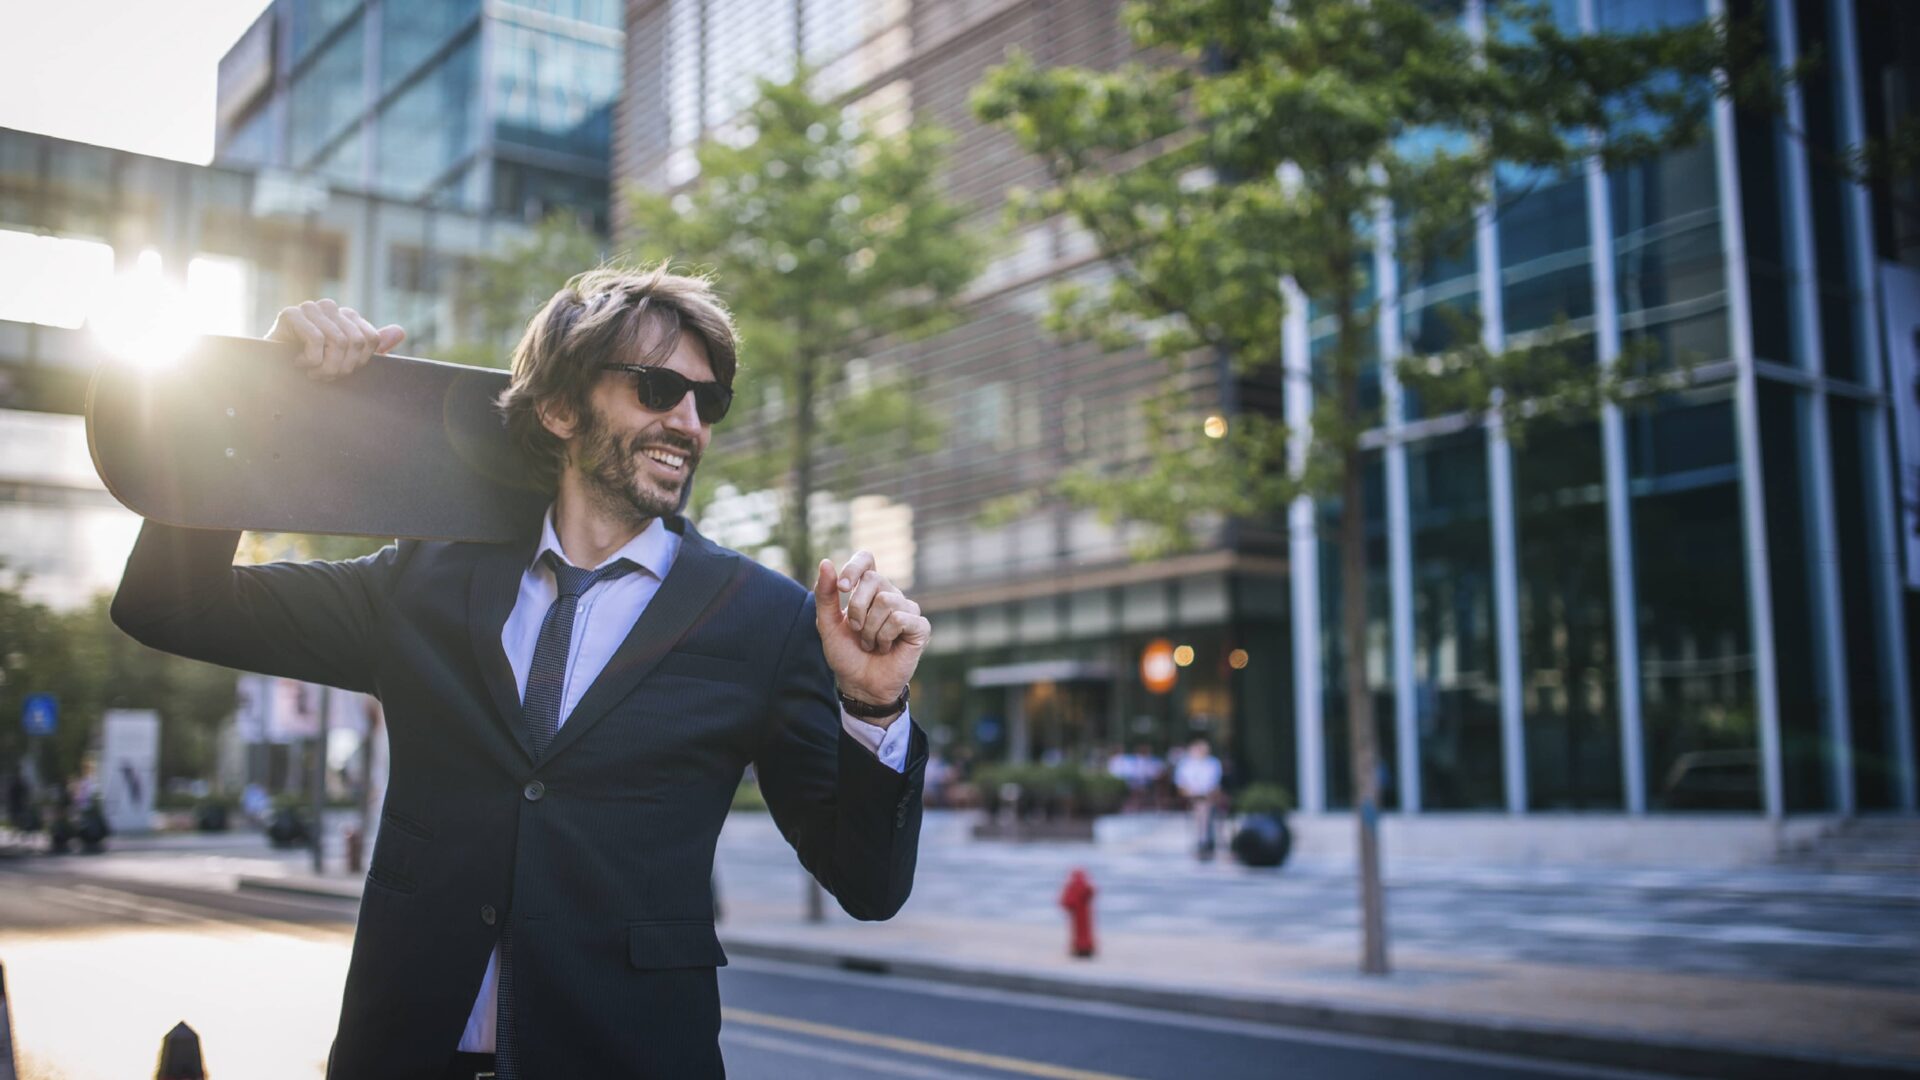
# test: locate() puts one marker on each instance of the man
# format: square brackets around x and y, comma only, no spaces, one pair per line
[1197,776]
[570,714]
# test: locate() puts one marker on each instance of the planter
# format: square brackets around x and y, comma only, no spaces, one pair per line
[210,817]
[288,828]
[1035,829]
[1262,840]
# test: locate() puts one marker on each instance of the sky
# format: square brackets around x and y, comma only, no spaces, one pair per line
[132,74]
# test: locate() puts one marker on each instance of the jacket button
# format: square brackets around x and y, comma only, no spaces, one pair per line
[534,790]
[487,914]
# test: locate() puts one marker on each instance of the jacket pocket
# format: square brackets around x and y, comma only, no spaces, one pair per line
[702,666]
[681,944]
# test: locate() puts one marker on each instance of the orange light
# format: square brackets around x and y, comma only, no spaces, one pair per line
[1183,655]
[1157,669]
[1237,659]
[1215,427]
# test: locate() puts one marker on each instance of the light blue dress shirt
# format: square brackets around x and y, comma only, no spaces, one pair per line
[601,622]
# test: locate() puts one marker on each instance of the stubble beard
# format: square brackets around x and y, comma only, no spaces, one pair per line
[610,467]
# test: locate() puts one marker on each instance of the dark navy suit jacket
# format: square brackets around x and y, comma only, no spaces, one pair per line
[601,853]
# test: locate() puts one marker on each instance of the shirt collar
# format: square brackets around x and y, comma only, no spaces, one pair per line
[652,550]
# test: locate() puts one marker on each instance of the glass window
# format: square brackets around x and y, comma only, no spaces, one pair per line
[554,92]
[745,42]
[1696,645]
[326,98]
[1570,674]
[1803,696]
[1669,268]
[1321,325]
[1546,270]
[1456,676]
[429,129]
[310,21]
[1379,658]
[601,13]
[409,33]
[1876,761]
[345,164]
[251,143]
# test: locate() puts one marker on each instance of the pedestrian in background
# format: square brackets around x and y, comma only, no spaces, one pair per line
[1197,776]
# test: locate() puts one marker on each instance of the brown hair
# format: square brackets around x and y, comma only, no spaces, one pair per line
[603,316]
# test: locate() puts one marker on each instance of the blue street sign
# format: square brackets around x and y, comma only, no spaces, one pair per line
[39,714]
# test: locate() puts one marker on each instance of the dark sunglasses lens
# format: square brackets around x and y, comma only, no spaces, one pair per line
[662,388]
[711,402]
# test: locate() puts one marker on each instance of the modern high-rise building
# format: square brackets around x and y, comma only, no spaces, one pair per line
[498,108]
[1705,603]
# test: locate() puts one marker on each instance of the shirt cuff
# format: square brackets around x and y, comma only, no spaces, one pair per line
[889,743]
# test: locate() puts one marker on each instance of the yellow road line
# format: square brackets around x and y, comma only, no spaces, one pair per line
[914,1046]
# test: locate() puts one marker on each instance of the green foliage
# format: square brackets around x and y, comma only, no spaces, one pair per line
[826,237]
[81,658]
[1261,143]
[1053,790]
[748,797]
[1264,798]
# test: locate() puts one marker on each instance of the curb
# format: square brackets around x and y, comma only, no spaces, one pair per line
[1593,1046]
[326,890]
[1588,1046]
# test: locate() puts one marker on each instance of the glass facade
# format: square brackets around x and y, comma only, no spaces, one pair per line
[505,108]
[430,128]
[553,92]
[1733,526]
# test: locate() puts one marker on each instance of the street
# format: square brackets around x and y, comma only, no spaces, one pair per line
[104,955]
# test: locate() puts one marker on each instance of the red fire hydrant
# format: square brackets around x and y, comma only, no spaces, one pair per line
[1077,898]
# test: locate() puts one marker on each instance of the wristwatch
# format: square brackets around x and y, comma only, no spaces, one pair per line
[874,712]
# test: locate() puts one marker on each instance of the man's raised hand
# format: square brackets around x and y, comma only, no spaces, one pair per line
[335,340]
[874,646]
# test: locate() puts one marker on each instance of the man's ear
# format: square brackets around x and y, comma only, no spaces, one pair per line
[557,417]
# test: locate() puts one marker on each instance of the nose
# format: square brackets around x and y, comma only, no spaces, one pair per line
[684,417]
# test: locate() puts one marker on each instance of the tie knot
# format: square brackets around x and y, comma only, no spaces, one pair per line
[574,581]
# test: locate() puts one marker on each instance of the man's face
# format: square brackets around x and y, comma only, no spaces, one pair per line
[618,445]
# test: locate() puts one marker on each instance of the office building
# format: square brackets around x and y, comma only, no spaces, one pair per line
[498,108]
[1698,604]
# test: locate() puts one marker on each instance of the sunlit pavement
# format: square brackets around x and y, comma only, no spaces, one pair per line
[105,953]
[101,965]
[97,975]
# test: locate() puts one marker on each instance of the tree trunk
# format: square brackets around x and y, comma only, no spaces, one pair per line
[1363,753]
[799,536]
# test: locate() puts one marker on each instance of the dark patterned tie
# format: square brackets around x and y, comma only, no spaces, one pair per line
[546,682]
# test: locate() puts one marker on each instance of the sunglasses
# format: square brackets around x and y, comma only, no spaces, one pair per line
[660,389]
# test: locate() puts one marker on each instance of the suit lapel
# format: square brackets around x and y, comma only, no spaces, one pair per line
[700,573]
[491,593]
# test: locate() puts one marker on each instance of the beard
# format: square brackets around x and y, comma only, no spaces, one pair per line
[611,469]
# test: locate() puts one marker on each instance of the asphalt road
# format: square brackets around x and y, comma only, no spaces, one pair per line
[790,1022]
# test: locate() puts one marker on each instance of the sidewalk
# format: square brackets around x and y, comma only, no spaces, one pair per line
[1760,972]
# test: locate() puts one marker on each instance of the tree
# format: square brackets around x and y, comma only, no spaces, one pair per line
[1260,144]
[828,239]
[89,666]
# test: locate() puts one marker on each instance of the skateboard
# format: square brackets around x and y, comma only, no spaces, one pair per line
[236,436]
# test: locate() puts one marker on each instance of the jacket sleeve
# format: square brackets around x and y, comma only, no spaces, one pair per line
[312,621]
[854,821]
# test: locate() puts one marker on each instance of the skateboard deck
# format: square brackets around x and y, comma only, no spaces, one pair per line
[236,436]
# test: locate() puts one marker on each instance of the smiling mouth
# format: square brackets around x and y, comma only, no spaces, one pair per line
[666,462]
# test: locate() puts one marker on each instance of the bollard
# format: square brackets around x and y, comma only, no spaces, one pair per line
[1077,898]
[180,1055]
[356,850]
